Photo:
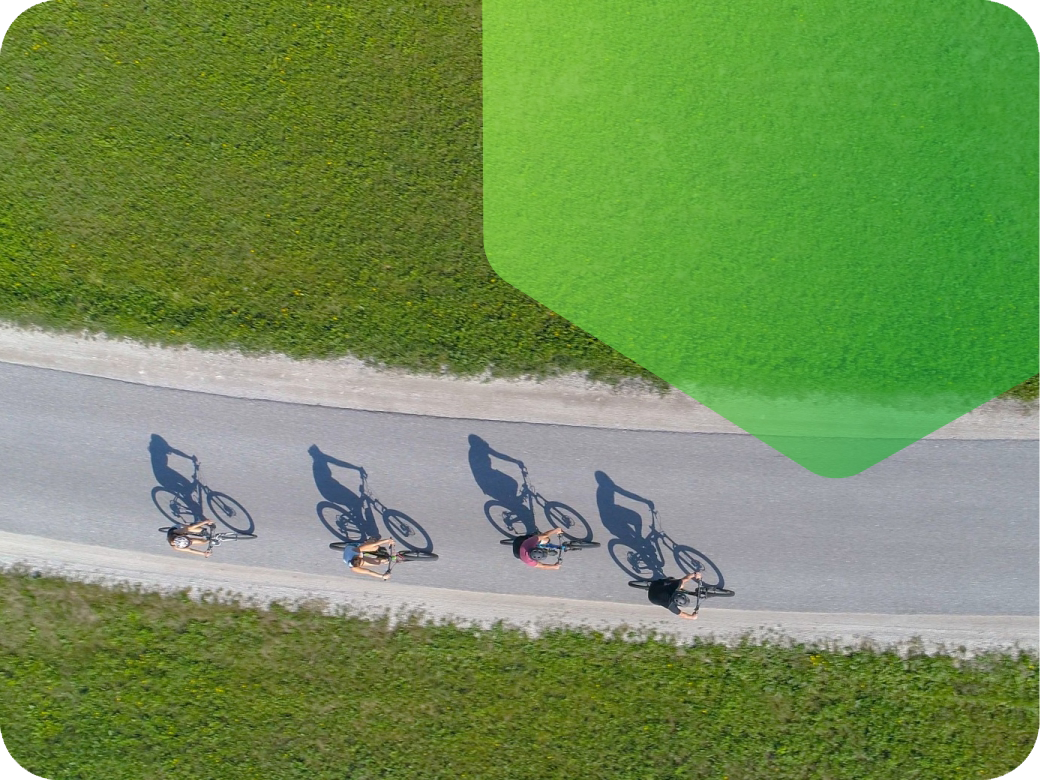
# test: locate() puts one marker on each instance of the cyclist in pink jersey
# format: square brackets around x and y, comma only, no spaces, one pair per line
[526,549]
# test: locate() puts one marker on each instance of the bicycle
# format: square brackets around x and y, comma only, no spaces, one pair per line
[382,555]
[348,526]
[681,598]
[561,548]
[226,509]
[213,539]
[509,523]
[644,560]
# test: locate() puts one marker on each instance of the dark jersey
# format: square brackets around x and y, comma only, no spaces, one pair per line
[662,593]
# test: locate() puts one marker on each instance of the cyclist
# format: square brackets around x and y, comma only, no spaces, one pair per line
[354,557]
[528,549]
[665,592]
[182,538]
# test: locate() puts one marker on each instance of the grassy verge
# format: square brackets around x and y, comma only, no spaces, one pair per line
[287,176]
[99,683]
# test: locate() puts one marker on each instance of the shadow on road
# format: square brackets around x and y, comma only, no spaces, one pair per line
[351,516]
[180,498]
[639,552]
[508,510]
[511,510]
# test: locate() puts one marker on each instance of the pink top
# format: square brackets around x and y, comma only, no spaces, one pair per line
[525,550]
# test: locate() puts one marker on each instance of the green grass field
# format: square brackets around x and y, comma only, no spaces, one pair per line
[97,683]
[296,177]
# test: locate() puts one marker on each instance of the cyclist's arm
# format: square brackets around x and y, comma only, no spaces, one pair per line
[362,570]
[547,565]
[373,546]
[549,535]
[688,616]
[633,496]
[199,526]
[343,463]
[694,576]
[503,456]
[204,553]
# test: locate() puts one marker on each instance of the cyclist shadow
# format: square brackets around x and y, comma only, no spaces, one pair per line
[506,510]
[638,552]
[352,516]
[180,498]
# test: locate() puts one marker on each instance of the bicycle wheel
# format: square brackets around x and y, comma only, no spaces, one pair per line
[691,560]
[571,545]
[341,522]
[406,531]
[337,545]
[173,507]
[232,537]
[505,520]
[641,584]
[568,520]
[417,555]
[707,591]
[230,512]
[636,563]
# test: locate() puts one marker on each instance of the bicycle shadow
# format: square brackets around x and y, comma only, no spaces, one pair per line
[502,490]
[180,498]
[351,516]
[639,552]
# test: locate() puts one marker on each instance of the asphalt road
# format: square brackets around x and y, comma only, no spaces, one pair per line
[944,526]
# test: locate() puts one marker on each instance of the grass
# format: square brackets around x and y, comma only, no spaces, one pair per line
[303,178]
[117,684]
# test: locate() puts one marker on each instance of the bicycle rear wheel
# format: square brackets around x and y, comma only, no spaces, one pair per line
[173,507]
[230,512]
[417,555]
[505,520]
[641,584]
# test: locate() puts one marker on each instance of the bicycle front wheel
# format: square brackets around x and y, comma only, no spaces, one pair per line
[573,525]
[232,537]
[580,545]
[417,555]
[406,531]
[230,513]
[707,591]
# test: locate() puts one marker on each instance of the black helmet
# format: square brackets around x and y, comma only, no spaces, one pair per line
[539,554]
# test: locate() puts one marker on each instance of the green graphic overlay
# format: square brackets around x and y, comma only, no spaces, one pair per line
[817,218]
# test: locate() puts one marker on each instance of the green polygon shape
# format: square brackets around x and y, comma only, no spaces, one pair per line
[817,218]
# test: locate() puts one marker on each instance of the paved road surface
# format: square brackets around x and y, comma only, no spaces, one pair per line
[942,527]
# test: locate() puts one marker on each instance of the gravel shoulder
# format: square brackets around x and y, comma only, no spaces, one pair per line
[967,634]
[350,384]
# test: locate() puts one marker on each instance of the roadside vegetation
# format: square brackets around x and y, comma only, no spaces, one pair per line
[298,177]
[119,684]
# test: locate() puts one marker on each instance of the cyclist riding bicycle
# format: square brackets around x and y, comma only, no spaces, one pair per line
[183,538]
[667,592]
[528,549]
[354,557]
